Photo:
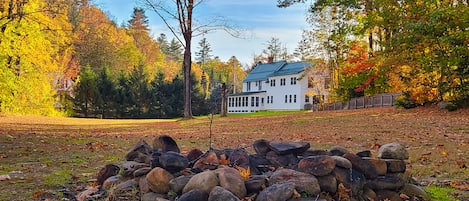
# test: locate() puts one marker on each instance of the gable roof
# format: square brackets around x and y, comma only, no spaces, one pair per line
[291,68]
[263,71]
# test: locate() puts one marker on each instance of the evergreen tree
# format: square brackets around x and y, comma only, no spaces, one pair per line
[138,81]
[203,54]
[86,91]
[175,50]
[124,96]
[106,93]
[163,42]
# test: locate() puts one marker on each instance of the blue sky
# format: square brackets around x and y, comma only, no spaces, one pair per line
[261,19]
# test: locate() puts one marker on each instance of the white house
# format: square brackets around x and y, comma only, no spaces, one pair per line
[278,86]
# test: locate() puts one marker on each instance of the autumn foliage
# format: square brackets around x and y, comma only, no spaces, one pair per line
[68,57]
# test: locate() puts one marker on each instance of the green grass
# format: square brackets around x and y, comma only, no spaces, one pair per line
[58,178]
[439,193]
[266,113]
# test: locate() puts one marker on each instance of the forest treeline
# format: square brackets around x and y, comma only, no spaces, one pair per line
[68,57]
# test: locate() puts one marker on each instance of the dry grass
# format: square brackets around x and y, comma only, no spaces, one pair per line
[43,154]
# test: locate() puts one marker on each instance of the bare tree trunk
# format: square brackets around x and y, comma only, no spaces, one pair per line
[187,78]
[224,105]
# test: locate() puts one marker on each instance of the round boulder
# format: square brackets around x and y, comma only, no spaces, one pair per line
[393,151]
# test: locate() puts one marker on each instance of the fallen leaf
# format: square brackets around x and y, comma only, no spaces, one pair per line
[4,177]
[244,172]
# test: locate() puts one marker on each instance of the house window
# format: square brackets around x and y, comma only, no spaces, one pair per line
[293,81]
[306,99]
[252,101]
[271,99]
[294,98]
[268,99]
[282,82]
[257,101]
[286,98]
[248,86]
[246,99]
[290,98]
[272,82]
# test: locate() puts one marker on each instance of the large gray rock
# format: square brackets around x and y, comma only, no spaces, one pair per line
[194,195]
[158,180]
[111,181]
[239,157]
[231,180]
[208,161]
[177,184]
[173,162]
[143,185]
[342,162]
[362,165]
[204,181]
[285,160]
[338,150]
[386,183]
[303,182]
[379,164]
[277,192]
[317,165]
[140,152]
[328,183]
[142,171]
[220,194]
[395,166]
[256,183]
[350,178]
[107,171]
[414,190]
[165,143]
[283,148]
[261,147]
[393,151]
[129,167]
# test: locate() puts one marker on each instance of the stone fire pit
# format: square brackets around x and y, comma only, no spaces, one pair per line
[277,171]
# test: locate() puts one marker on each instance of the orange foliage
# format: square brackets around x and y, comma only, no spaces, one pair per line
[244,172]
[359,59]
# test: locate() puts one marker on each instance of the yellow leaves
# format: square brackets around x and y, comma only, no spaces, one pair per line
[244,172]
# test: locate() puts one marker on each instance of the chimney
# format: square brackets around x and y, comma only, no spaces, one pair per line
[270,59]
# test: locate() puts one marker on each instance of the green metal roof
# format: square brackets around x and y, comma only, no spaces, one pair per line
[291,68]
[263,71]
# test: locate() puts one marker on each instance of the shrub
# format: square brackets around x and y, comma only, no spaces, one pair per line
[404,101]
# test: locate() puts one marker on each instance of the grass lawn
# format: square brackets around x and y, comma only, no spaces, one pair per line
[45,154]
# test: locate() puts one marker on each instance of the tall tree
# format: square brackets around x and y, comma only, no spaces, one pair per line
[86,91]
[273,49]
[152,55]
[182,12]
[203,54]
[32,48]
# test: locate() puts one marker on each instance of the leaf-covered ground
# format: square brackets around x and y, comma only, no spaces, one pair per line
[43,155]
